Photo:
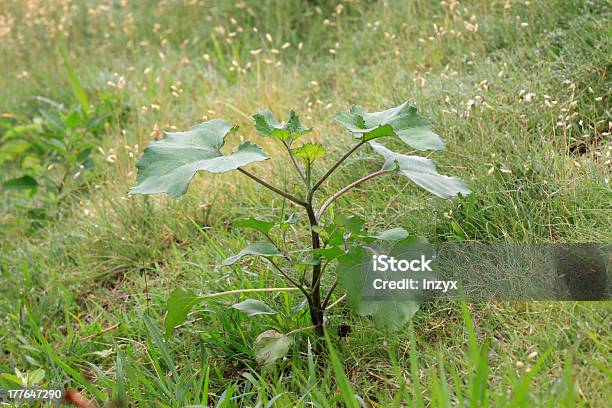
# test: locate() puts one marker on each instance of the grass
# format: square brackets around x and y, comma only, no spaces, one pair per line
[519,93]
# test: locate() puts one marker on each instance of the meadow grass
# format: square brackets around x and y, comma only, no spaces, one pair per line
[518,90]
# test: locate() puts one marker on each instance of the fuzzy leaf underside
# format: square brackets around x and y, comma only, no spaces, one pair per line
[423,172]
[393,234]
[270,346]
[253,307]
[402,121]
[265,249]
[168,165]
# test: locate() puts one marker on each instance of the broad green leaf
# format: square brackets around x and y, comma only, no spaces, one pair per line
[253,307]
[21,183]
[402,121]
[330,253]
[179,305]
[351,223]
[226,398]
[270,346]
[73,120]
[13,149]
[254,223]
[393,234]
[423,172]
[291,220]
[350,271]
[84,154]
[265,249]
[309,152]
[18,130]
[267,125]
[168,165]
[333,236]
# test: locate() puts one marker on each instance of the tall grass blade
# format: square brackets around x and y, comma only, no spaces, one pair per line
[161,346]
[75,84]
[417,398]
[346,390]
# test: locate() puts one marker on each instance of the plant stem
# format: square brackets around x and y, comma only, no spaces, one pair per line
[335,166]
[340,299]
[322,270]
[301,329]
[347,188]
[329,293]
[271,187]
[314,300]
[239,291]
[60,188]
[295,163]
[289,278]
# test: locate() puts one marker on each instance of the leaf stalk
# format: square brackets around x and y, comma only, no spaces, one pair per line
[239,291]
[335,166]
[289,278]
[295,163]
[271,187]
[347,188]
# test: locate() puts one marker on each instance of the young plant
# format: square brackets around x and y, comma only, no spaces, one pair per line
[52,151]
[168,165]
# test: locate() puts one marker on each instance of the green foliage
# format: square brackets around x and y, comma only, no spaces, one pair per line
[309,152]
[402,121]
[253,307]
[422,171]
[267,125]
[344,384]
[270,346]
[21,183]
[82,277]
[179,304]
[389,314]
[170,164]
[265,249]
[393,234]
[52,150]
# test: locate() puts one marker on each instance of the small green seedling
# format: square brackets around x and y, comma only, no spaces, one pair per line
[168,165]
[53,150]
